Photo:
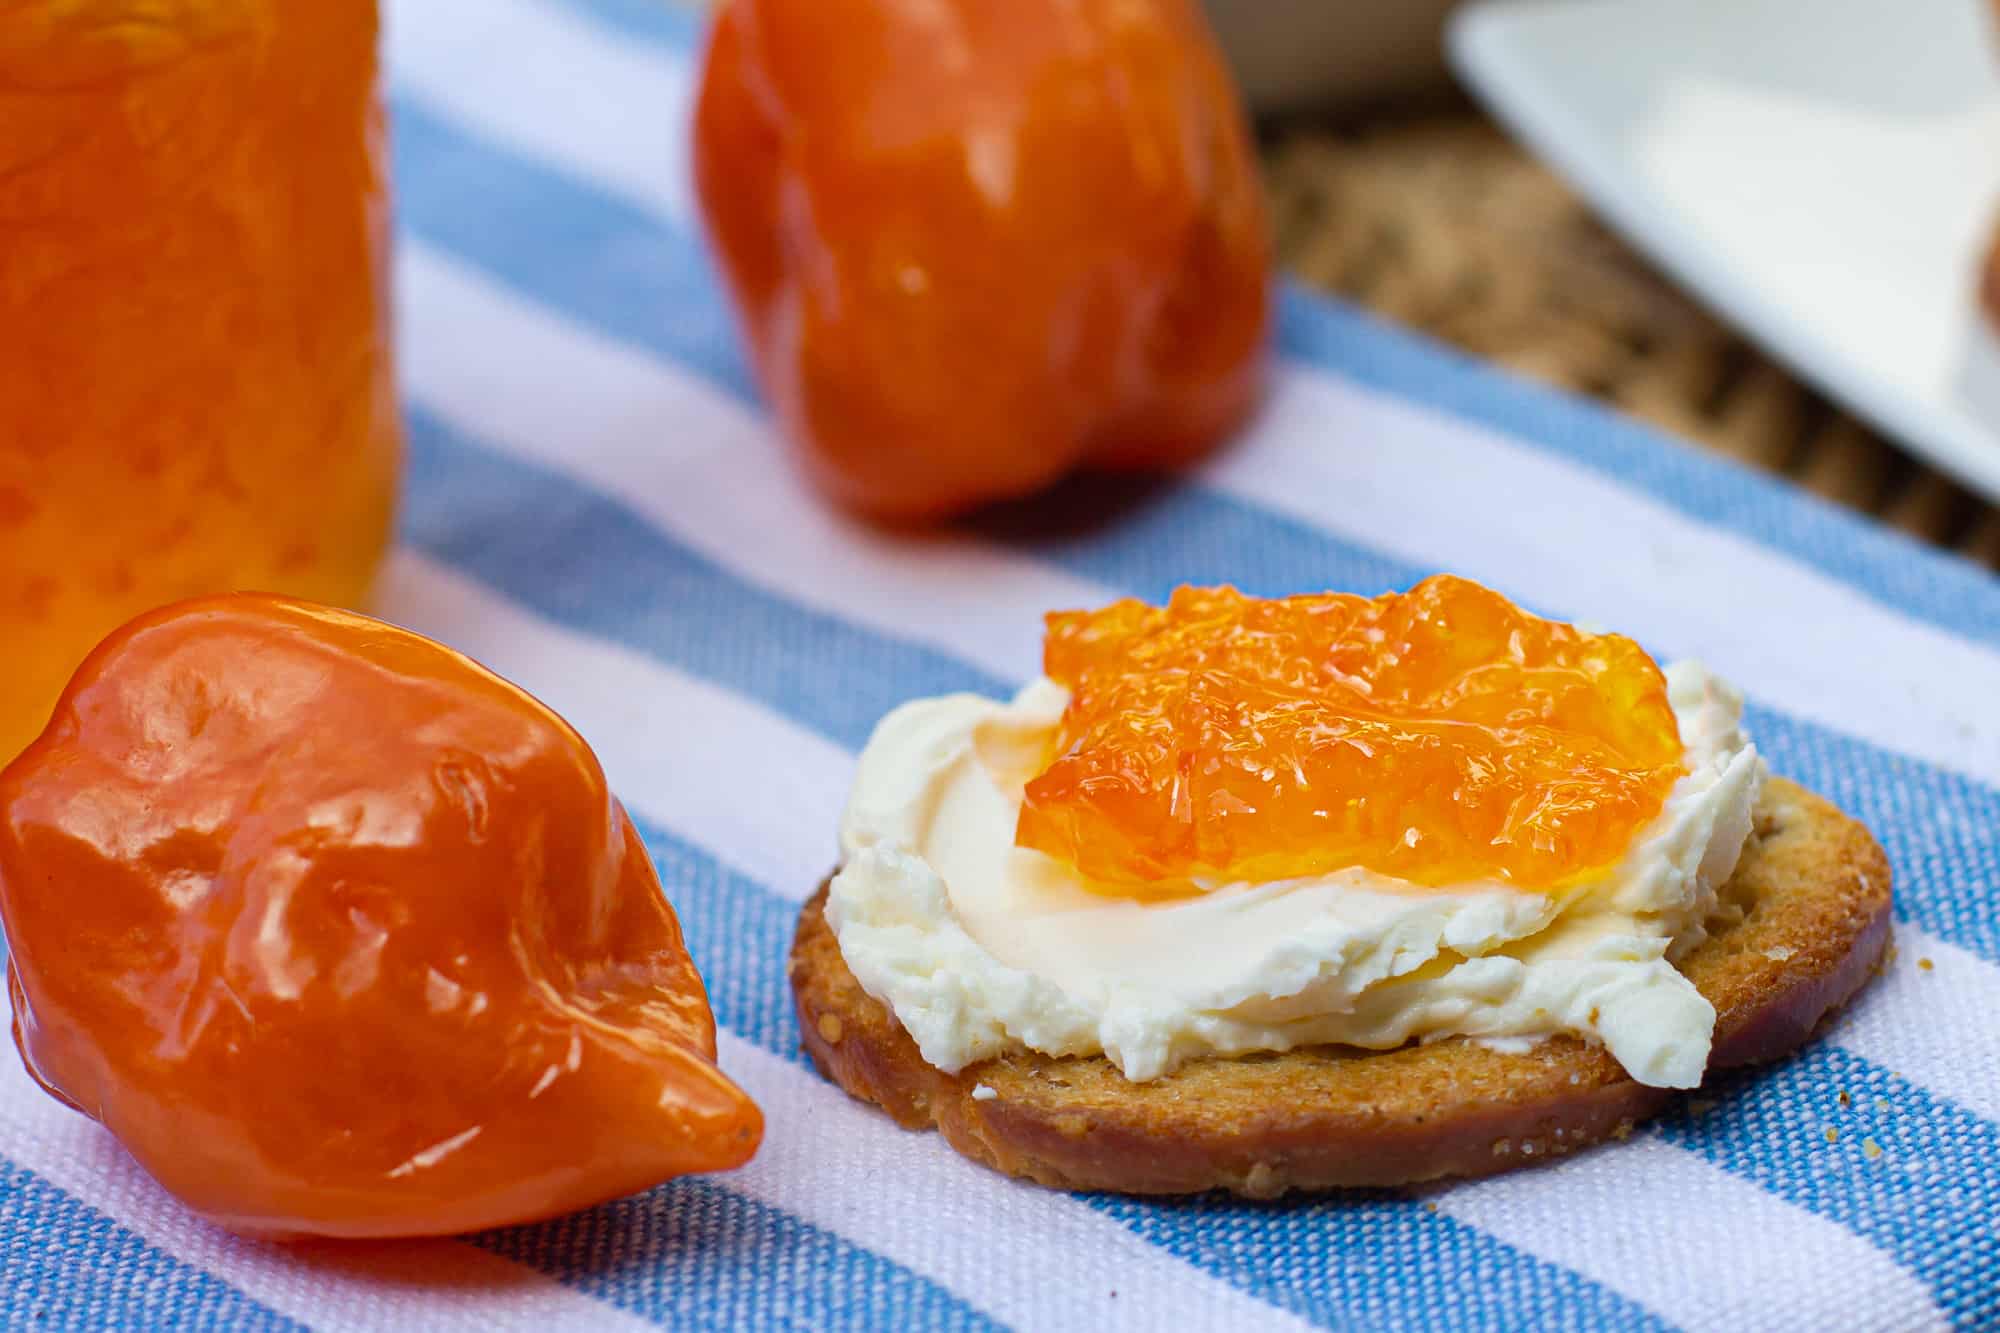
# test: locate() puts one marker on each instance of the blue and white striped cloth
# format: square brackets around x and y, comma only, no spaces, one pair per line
[597,509]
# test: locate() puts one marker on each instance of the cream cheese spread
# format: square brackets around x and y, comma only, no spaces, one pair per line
[981,947]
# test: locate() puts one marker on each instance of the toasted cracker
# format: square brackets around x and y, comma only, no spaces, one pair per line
[1814,889]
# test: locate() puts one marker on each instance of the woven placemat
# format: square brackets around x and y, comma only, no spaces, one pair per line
[1435,219]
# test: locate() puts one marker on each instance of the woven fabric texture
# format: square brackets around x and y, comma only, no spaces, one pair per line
[598,510]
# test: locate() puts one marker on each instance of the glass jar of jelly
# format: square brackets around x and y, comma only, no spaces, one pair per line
[196,387]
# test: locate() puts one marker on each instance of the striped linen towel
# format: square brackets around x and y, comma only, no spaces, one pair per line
[597,510]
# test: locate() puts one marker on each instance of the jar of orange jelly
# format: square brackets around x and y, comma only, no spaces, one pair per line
[196,391]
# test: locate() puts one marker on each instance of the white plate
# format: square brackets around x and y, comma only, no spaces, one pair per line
[1824,173]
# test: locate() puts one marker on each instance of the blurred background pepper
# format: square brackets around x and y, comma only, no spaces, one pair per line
[1393,191]
[976,246]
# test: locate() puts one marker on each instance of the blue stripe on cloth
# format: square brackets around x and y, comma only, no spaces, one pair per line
[1941,831]
[740,931]
[690,1254]
[606,262]
[73,1267]
[1342,1249]
[1927,1199]
[672,23]
[641,278]
[1359,1260]
[465,507]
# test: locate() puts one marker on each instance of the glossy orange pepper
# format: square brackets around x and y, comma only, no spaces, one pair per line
[341,934]
[976,244]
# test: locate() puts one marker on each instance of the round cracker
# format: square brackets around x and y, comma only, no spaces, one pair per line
[1813,889]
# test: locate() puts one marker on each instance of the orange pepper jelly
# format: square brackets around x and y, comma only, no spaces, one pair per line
[343,935]
[1439,736]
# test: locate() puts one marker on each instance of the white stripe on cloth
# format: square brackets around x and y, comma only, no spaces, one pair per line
[680,751]
[552,85]
[1733,1253]
[1930,1017]
[1415,483]
[1031,1257]
[429,1284]
[676,749]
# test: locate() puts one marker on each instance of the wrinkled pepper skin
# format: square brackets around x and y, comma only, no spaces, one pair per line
[977,244]
[343,935]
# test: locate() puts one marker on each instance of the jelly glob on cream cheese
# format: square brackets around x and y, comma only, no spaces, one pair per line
[1229,825]
[1438,735]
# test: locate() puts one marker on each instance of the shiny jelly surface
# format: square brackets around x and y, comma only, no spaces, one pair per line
[1438,736]
[341,934]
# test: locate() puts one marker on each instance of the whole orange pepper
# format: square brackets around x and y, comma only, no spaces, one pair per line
[341,934]
[976,244]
